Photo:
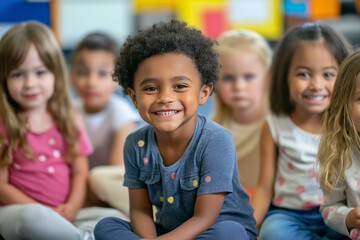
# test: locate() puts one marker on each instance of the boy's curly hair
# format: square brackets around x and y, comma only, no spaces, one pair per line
[172,37]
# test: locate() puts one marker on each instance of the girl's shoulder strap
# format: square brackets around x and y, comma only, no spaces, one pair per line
[273,123]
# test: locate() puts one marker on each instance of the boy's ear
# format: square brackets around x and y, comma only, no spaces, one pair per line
[132,95]
[205,92]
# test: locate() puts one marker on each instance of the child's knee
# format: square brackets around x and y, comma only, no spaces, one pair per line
[96,173]
[232,227]
[33,215]
[276,228]
[226,230]
[103,226]
[31,211]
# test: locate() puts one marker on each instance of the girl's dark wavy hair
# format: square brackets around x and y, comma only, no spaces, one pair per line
[307,32]
[171,37]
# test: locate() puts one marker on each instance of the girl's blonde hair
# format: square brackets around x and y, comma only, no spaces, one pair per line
[14,46]
[238,40]
[340,136]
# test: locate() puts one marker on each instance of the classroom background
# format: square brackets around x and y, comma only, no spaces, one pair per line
[72,19]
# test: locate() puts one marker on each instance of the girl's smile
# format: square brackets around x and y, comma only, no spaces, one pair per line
[311,78]
[31,85]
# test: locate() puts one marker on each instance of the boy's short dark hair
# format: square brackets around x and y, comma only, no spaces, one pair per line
[161,38]
[97,41]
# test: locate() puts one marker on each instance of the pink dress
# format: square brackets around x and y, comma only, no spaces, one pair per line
[47,178]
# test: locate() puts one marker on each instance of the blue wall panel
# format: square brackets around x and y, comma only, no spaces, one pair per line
[13,11]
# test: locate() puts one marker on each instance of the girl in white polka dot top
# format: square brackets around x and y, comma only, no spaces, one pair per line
[339,152]
[43,146]
[287,198]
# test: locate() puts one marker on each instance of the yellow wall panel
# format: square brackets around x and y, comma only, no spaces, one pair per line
[149,5]
[271,27]
[191,10]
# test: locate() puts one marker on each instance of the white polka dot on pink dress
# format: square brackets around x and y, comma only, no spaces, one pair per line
[17,166]
[42,158]
[51,169]
[56,153]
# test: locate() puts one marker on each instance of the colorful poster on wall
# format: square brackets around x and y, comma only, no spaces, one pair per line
[262,16]
[214,17]
[312,9]
[217,16]
[210,16]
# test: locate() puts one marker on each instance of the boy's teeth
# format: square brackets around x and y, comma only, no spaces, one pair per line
[166,113]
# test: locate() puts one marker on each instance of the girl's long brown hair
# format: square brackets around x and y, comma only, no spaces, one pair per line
[14,46]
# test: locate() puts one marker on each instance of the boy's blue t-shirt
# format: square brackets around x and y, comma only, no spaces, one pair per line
[209,165]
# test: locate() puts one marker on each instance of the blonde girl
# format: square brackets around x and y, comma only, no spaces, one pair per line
[241,101]
[339,152]
[43,146]
[303,73]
